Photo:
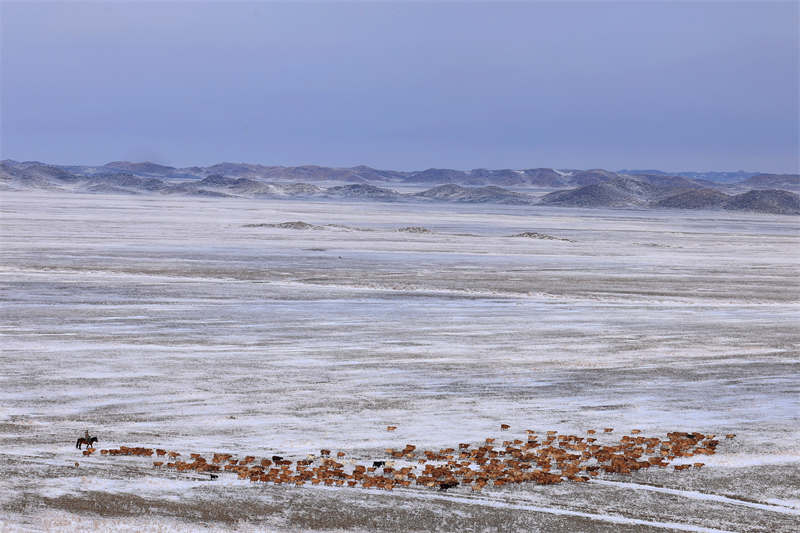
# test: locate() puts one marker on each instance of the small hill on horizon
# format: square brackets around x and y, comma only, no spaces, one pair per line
[632,192]
[143,168]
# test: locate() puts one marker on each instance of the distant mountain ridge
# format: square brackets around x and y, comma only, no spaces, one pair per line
[535,177]
[595,188]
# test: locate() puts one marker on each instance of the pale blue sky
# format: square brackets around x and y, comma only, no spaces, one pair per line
[677,86]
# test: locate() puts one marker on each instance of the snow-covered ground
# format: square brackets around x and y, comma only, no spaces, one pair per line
[181,323]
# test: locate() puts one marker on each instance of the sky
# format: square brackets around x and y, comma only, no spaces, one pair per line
[674,86]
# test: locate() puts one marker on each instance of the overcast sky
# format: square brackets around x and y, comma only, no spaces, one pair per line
[675,86]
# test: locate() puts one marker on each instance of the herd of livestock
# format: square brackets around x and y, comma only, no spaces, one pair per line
[544,460]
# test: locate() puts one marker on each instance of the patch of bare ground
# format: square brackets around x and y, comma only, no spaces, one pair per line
[197,509]
[414,229]
[299,224]
[315,511]
[536,235]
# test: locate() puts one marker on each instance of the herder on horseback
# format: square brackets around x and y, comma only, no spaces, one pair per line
[87,440]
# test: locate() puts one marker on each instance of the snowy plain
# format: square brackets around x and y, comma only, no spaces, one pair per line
[203,325]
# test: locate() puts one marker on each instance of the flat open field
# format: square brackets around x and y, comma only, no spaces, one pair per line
[181,323]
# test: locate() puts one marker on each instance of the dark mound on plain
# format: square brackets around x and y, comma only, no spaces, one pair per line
[415,229]
[299,224]
[536,235]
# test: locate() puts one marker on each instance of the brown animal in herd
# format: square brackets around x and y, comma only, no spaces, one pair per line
[504,427]
[391,428]
[525,462]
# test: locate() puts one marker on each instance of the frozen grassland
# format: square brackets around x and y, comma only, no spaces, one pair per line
[166,322]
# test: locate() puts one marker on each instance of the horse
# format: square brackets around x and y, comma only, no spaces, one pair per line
[88,442]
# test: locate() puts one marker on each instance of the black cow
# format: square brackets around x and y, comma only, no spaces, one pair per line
[447,485]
